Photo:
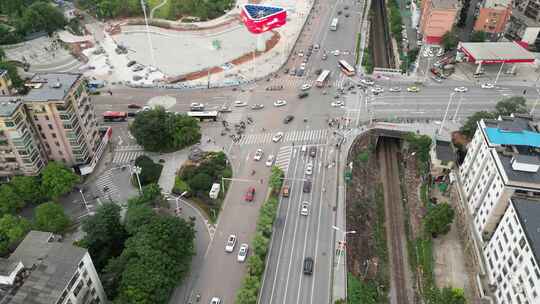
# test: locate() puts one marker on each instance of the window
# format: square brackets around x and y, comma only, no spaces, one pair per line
[39,127]
[81,264]
[60,152]
[9,124]
[522,242]
[35,117]
[73,280]
[78,288]
[57,144]
[89,282]
[53,135]
[50,127]
[43,136]
[47,145]
[46,117]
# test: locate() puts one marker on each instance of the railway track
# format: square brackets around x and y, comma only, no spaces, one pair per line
[394,222]
[381,46]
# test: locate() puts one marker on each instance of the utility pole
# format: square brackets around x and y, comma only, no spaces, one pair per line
[446,112]
[148,34]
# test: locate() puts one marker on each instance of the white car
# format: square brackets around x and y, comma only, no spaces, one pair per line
[395,89]
[336,53]
[279,103]
[215,300]
[377,90]
[303,66]
[306,87]
[303,149]
[240,103]
[309,169]
[242,253]
[304,209]
[258,154]
[461,89]
[488,86]
[231,243]
[368,82]
[270,160]
[146,108]
[338,103]
[277,137]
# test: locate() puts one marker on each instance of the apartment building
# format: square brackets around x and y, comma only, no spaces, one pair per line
[43,270]
[437,18]
[493,16]
[55,121]
[21,151]
[513,254]
[503,160]
[5,83]
[524,23]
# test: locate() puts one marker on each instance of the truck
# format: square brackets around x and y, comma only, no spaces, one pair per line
[214,191]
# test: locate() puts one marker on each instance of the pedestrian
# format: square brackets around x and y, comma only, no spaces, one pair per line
[110,92]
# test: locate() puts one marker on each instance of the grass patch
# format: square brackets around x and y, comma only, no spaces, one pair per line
[381,247]
[367,61]
[358,50]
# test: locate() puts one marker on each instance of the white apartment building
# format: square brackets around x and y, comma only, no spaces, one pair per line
[512,255]
[43,270]
[502,161]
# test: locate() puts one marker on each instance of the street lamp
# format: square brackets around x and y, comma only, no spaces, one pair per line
[148,34]
[457,108]
[84,201]
[446,112]
[343,240]
[137,170]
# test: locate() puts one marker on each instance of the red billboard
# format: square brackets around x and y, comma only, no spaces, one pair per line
[262,18]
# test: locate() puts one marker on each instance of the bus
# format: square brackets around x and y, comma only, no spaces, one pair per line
[202,115]
[114,116]
[346,68]
[334,24]
[322,78]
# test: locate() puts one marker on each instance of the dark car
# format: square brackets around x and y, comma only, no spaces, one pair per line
[303,95]
[308,266]
[312,151]
[132,62]
[131,114]
[307,186]
[133,106]
[288,119]
[300,72]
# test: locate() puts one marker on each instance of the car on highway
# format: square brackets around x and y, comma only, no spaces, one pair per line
[308,266]
[306,86]
[336,52]
[131,114]
[337,103]
[312,151]
[137,67]
[413,89]
[488,86]
[437,79]
[258,154]
[300,54]
[285,191]
[270,160]
[134,106]
[307,186]
[277,137]
[280,103]
[288,119]
[243,253]
[224,109]
[394,89]
[303,95]
[215,300]
[461,89]
[377,90]
[324,56]
[250,194]
[196,106]
[304,208]
[239,103]
[367,81]
[316,47]
[303,149]
[131,63]
[231,243]
[257,106]
[309,169]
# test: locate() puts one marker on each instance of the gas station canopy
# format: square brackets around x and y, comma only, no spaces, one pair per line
[495,52]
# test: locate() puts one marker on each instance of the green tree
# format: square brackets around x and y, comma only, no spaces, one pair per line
[57,180]
[10,201]
[13,74]
[249,291]
[511,105]
[201,182]
[276,178]
[255,265]
[446,295]
[260,245]
[150,171]
[105,235]
[14,229]
[449,40]
[42,16]
[359,292]
[2,54]
[470,125]
[420,144]
[50,217]
[27,187]
[111,276]
[137,216]
[160,131]
[151,197]
[478,36]
[438,219]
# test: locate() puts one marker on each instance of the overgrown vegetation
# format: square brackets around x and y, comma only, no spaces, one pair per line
[367,61]
[150,171]
[420,146]
[449,40]
[395,20]
[198,177]
[249,291]
[438,219]
[173,10]
[143,259]
[505,107]
[358,50]
[360,292]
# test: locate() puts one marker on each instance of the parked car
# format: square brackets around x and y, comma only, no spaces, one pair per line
[258,154]
[309,169]
[131,63]
[461,89]
[243,253]
[131,114]
[270,160]
[303,95]
[197,106]
[280,103]
[215,300]
[231,243]
[288,119]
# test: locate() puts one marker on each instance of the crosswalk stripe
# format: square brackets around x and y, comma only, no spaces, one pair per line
[261,138]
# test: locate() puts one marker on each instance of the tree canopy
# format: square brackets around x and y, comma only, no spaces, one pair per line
[57,180]
[150,171]
[10,201]
[478,36]
[12,230]
[438,219]
[449,40]
[510,105]
[50,217]
[160,131]
[27,187]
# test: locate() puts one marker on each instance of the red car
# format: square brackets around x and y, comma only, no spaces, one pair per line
[250,194]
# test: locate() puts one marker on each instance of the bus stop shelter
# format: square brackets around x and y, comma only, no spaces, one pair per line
[495,52]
